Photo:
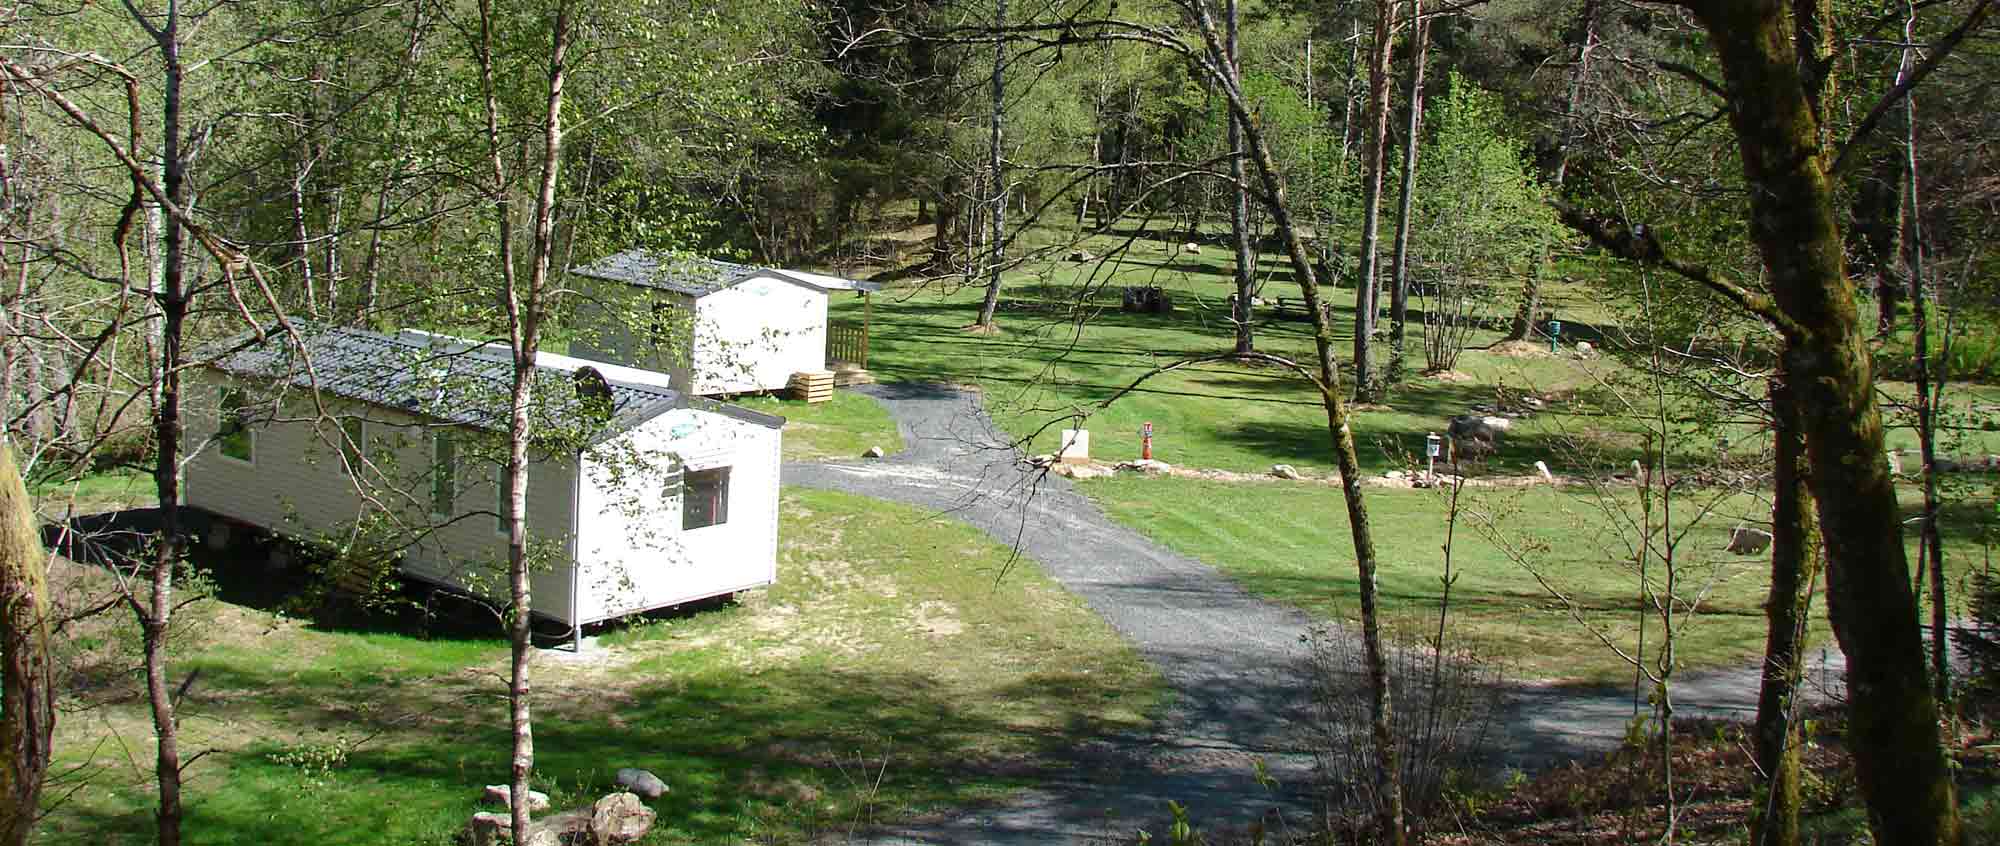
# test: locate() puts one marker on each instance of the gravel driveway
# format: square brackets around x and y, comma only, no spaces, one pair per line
[1231,659]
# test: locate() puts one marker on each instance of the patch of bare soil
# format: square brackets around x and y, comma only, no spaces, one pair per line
[1519,349]
[937,619]
[1449,376]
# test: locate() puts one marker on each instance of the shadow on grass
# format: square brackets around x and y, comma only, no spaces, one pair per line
[273,574]
[1305,442]
[790,753]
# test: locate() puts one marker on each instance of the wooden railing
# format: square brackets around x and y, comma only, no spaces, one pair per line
[847,342]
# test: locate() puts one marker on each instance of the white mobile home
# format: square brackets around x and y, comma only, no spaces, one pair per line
[714,327]
[650,499]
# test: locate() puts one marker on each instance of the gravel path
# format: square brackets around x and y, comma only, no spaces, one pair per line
[1231,659]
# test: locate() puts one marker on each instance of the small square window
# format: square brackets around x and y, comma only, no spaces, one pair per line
[233,437]
[704,498]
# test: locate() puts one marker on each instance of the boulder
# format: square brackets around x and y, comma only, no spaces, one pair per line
[498,794]
[490,828]
[1286,471]
[1585,350]
[1744,540]
[487,828]
[1395,474]
[1475,435]
[873,452]
[619,818]
[1083,471]
[1081,256]
[648,786]
[1192,247]
[1147,465]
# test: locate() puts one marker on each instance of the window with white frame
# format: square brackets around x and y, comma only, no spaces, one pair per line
[704,498]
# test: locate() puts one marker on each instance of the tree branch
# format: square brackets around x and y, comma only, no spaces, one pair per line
[1939,52]
[1638,244]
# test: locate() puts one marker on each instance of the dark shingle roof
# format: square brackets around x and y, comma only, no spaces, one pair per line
[698,277]
[695,277]
[439,377]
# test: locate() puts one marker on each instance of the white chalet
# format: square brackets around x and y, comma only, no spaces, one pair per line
[658,499]
[712,327]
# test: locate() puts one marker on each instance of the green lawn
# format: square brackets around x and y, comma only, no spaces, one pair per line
[1066,348]
[843,427]
[901,664]
[1223,415]
[1290,542]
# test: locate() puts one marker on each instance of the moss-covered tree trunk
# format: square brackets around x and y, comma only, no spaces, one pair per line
[1774,818]
[1893,728]
[27,703]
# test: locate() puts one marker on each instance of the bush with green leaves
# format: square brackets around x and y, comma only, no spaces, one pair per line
[1482,221]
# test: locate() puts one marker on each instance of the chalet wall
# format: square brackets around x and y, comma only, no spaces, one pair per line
[298,485]
[631,550]
[611,327]
[754,335]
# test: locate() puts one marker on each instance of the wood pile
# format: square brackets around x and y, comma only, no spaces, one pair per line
[812,385]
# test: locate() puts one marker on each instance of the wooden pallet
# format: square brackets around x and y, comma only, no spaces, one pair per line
[812,385]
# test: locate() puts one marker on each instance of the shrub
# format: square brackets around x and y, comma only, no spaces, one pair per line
[1444,702]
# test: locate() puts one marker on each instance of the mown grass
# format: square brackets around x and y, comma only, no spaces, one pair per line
[1066,348]
[1291,542]
[102,489]
[902,664]
[1049,366]
[1065,351]
[843,427]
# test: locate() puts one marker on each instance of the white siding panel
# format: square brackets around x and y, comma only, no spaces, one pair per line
[754,335]
[606,333]
[297,485]
[632,552]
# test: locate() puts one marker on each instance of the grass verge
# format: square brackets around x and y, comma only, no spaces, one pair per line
[843,427]
[900,666]
[1290,542]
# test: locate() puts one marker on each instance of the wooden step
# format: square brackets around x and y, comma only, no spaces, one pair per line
[812,385]
[845,376]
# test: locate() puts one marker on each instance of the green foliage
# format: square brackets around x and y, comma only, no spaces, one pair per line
[889,639]
[1482,219]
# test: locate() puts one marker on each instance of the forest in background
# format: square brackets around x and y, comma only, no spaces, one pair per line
[173,175]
